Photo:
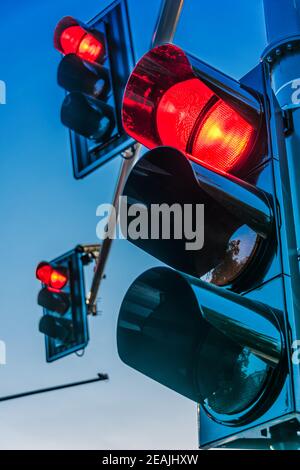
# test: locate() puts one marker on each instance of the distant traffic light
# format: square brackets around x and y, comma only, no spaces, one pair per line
[53,278]
[82,74]
[64,322]
[72,37]
[224,337]
[94,70]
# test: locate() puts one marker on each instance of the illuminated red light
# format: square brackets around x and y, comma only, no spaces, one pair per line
[223,138]
[53,278]
[178,110]
[89,48]
[70,38]
[166,104]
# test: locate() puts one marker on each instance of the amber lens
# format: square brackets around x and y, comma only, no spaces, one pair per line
[241,249]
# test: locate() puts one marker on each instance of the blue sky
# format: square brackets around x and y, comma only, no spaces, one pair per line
[45,212]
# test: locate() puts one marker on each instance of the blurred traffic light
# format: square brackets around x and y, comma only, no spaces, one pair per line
[94,70]
[224,336]
[64,320]
[82,74]
[72,37]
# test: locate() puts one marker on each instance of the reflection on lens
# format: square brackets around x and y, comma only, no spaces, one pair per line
[229,377]
[241,249]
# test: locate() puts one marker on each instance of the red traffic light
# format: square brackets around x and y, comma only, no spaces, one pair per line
[165,103]
[72,38]
[54,278]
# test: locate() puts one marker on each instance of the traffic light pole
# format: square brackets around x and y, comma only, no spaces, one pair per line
[283,55]
[283,58]
[164,32]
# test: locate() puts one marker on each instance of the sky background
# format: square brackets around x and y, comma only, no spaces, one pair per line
[45,212]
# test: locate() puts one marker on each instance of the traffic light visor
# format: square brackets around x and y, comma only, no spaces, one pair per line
[206,343]
[166,103]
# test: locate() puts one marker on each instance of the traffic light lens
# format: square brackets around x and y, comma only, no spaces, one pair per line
[89,48]
[214,133]
[166,103]
[178,111]
[242,249]
[50,276]
[75,40]
[229,378]
[87,116]
[70,39]
[43,273]
[223,138]
[58,280]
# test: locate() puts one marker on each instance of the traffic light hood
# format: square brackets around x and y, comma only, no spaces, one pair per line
[206,343]
[165,176]
[209,116]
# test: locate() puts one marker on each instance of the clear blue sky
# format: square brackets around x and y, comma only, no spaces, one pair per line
[44,212]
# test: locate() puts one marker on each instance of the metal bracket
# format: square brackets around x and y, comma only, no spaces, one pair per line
[129,152]
[288,122]
[90,253]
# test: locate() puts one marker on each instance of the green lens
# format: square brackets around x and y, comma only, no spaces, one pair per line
[229,377]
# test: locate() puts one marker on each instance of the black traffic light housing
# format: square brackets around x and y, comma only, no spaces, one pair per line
[158,321]
[64,322]
[95,83]
[240,205]
[213,346]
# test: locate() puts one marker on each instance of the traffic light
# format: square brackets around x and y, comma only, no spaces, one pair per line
[64,320]
[212,346]
[97,59]
[220,325]
[205,112]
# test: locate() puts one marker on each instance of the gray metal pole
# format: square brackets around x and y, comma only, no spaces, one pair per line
[164,32]
[283,56]
[167,22]
[282,21]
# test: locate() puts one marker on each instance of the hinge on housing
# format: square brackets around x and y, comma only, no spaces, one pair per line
[288,122]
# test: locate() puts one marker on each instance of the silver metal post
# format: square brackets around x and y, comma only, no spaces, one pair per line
[164,32]
[167,22]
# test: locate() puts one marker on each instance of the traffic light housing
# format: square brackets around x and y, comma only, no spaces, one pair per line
[171,99]
[215,347]
[97,59]
[205,331]
[240,221]
[64,320]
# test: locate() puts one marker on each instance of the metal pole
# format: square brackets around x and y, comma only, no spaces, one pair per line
[164,32]
[283,57]
[167,22]
[100,377]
